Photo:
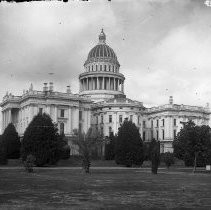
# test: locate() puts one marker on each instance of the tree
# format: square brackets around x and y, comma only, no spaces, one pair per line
[41,140]
[110,148]
[193,144]
[3,155]
[129,145]
[11,142]
[155,155]
[168,159]
[86,143]
[64,147]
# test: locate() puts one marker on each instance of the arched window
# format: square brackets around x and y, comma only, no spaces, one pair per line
[96,67]
[113,68]
[109,68]
[104,67]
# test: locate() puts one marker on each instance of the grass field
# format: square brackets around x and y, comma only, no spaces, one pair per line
[59,188]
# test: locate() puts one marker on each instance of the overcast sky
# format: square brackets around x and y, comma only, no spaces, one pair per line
[163,46]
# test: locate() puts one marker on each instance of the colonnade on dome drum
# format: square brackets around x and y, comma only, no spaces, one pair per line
[101,83]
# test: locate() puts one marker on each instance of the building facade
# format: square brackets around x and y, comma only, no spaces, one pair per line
[101,103]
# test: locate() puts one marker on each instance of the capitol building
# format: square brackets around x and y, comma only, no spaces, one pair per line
[102,103]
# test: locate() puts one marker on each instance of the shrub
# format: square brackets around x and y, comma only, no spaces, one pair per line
[29,163]
[168,159]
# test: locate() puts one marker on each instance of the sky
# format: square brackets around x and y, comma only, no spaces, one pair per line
[163,46]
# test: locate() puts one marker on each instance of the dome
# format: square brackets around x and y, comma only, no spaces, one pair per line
[102,51]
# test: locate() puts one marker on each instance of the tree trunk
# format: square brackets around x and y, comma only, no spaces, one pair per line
[195,159]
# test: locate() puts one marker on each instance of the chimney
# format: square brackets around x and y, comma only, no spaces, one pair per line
[68,89]
[51,86]
[171,100]
[45,87]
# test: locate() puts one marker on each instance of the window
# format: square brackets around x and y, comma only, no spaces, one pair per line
[40,110]
[151,123]
[175,133]
[144,135]
[101,130]
[101,118]
[157,134]
[163,134]
[144,124]
[62,113]
[120,118]
[157,123]
[131,118]
[100,67]
[138,119]
[152,134]
[175,122]
[61,128]
[96,119]
[80,115]
[110,118]
[109,67]
[89,68]
[96,67]
[105,68]
[113,68]
[92,68]
[163,122]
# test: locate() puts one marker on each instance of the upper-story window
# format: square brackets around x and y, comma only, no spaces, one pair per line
[151,123]
[110,118]
[101,67]
[101,118]
[80,115]
[62,113]
[110,130]
[96,67]
[96,119]
[113,68]
[61,128]
[109,68]
[175,122]
[157,134]
[89,68]
[105,68]
[92,68]
[163,134]
[163,120]
[157,123]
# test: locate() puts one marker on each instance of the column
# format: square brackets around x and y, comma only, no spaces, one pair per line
[69,120]
[10,117]
[87,83]
[114,83]
[103,84]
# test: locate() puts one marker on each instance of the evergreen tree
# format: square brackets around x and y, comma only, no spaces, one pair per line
[155,155]
[41,140]
[3,155]
[11,142]
[129,145]
[110,148]
[193,144]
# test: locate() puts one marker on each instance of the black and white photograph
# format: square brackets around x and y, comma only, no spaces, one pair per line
[105,104]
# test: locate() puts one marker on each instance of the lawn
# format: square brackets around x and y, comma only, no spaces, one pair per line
[59,188]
